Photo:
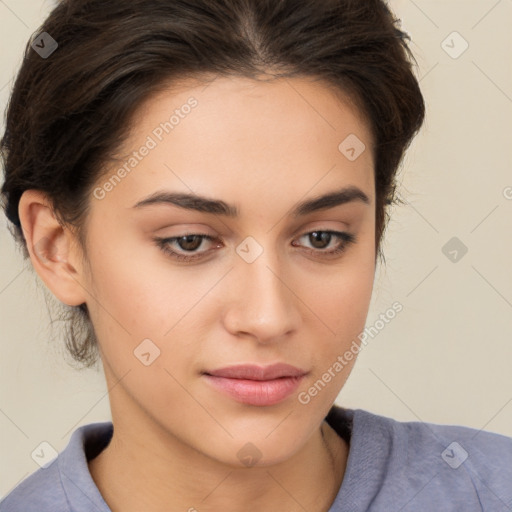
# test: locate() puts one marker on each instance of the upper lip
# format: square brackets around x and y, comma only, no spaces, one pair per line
[255,372]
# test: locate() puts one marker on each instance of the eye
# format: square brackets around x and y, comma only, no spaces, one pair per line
[185,247]
[188,243]
[322,239]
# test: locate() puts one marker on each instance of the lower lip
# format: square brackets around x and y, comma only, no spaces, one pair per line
[256,392]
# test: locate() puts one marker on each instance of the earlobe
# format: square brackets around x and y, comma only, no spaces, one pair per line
[50,246]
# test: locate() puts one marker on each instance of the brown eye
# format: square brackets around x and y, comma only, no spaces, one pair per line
[320,240]
[186,246]
[189,242]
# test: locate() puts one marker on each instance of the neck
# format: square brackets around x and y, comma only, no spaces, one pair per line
[162,473]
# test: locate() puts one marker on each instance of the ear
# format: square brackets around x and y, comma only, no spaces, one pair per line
[52,248]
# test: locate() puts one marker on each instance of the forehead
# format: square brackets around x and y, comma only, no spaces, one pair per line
[235,136]
[273,103]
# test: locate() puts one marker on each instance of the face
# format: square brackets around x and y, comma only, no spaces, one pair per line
[257,272]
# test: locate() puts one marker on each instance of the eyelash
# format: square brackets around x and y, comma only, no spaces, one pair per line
[163,244]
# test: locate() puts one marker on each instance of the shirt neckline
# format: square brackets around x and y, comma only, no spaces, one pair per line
[89,440]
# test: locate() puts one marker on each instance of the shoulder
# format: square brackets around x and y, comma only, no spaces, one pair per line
[473,445]
[450,463]
[419,464]
[41,491]
[64,484]
[477,451]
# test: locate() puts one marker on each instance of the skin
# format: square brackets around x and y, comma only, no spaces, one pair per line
[263,147]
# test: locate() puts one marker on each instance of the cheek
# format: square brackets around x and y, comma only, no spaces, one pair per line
[142,297]
[340,301]
[126,303]
[129,287]
[341,298]
[341,305]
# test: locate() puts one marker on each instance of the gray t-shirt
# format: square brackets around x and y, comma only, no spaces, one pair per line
[392,466]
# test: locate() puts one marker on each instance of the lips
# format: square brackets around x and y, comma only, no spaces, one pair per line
[256,385]
[253,372]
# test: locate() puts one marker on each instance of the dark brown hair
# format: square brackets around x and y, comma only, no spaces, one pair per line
[70,112]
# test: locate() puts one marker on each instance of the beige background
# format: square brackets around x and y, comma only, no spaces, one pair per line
[446,357]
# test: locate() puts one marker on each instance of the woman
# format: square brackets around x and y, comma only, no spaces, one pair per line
[205,185]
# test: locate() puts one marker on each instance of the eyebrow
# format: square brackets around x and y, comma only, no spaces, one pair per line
[217,207]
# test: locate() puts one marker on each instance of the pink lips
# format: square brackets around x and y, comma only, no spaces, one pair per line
[256,385]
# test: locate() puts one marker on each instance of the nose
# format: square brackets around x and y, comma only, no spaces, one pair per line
[262,303]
